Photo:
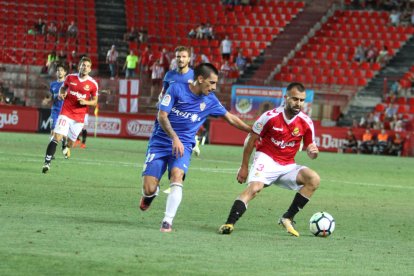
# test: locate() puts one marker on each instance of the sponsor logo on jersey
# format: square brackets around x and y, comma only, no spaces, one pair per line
[202,106]
[295,131]
[187,115]
[278,129]
[73,83]
[86,87]
[282,144]
[166,100]
[77,94]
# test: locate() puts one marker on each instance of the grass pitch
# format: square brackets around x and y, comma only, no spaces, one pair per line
[83,218]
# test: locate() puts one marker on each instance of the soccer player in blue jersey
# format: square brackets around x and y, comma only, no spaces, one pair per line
[61,72]
[182,111]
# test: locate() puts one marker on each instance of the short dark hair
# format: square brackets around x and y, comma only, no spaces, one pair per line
[205,70]
[62,66]
[296,85]
[182,49]
[85,58]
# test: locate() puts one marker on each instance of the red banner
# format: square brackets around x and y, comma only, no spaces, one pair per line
[18,118]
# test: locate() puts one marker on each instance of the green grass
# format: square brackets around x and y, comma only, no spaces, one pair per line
[83,218]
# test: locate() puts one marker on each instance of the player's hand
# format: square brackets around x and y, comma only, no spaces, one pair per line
[177,148]
[82,101]
[312,151]
[62,96]
[242,174]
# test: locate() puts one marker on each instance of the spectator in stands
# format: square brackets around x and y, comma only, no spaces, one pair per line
[391,111]
[395,89]
[398,124]
[112,61]
[350,144]
[73,60]
[157,74]
[381,143]
[412,17]
[382,57]
[367,142]
[225,47]
[144,63]
[192,33]
[241,61]
[62,57]
[130,65]
[131,36]
[208,31]
[40,27]
[193,58]
[165,59]
[225,70]
[397,144]
[142,35]
[52,30]
[371,54]
[394,18]
[359,54]
[72,30]
[199,31]
[61,30]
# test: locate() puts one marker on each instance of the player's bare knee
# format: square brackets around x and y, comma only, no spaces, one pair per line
[150,185]
[177,175]
[309,178]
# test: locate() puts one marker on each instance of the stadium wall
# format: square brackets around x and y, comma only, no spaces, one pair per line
[139,126]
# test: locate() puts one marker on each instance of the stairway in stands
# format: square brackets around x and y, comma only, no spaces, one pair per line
[284,43]
[111,26]
[374,91]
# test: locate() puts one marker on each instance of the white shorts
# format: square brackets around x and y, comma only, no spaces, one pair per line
[86,120]
[68,127]
[268,171]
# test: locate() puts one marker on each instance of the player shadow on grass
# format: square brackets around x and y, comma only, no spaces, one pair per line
[92,220]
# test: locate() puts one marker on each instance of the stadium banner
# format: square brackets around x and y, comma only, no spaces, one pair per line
[18,118]
[128,96]
[121,125]
[45,120]
[249,102]
[328,139]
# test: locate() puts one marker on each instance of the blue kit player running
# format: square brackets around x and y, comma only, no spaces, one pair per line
[182,111]
[61,72]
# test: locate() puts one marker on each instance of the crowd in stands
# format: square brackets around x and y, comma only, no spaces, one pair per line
[381,143]
[54,31]
[203,31]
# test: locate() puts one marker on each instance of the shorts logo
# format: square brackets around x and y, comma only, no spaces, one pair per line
[202,106]
[295,131]
[166,100]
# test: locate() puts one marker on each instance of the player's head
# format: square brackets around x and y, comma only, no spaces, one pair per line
[206,77]
[85,66]
[61,71]
[182,55]
[294,98]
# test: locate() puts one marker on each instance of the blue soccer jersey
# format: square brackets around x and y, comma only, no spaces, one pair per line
[187,112]
[54,90]
[173,76]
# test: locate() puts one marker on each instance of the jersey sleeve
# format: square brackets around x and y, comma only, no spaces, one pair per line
[261,125]
[94,92]
[66,82]
[165,82]
[309,135]
[217,109]
[168,100]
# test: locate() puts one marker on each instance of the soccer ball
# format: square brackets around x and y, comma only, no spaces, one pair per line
[322,224]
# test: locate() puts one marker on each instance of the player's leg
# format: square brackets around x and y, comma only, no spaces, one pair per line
[74,129]
[303,180]
[154,167]
[177,170]
[240,206]
[196,148]
[61,130]
[84,135]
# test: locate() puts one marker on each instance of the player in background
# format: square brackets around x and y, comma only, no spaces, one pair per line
[79,91]
[279,133]
[182,111]
[57,103]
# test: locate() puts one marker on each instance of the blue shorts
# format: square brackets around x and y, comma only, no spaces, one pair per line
[158,160]
[54,115]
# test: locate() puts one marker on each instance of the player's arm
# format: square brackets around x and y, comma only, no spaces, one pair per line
[62,92]
[312,151]
[236,122]
[249,145]
[177,146]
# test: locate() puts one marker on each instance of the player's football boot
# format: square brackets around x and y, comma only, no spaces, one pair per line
[226,229]
[77,142]
[83,146]
[142,205]
[196,150]
[46,168]
[165,227]
[66,152]
[288,224]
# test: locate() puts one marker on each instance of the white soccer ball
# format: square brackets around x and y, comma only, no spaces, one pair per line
[322,224]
